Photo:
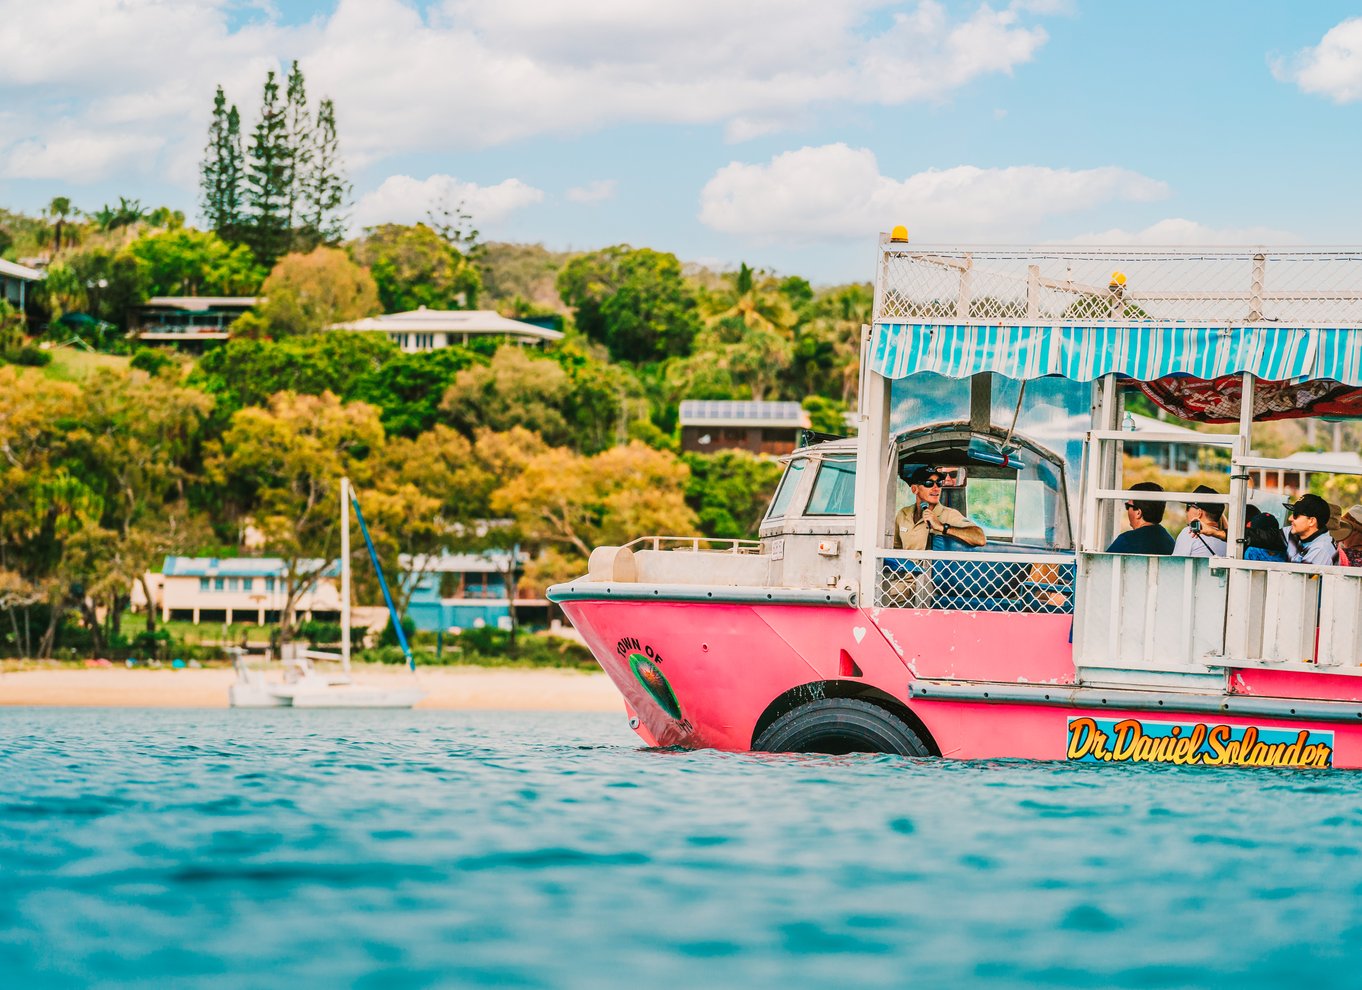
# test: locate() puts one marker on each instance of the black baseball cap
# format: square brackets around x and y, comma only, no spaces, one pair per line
[920,475]
[1311,505]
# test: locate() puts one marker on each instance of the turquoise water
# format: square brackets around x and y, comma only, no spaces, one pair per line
[225,849]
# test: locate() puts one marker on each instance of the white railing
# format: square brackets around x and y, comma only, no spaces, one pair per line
[1148,612]
[1196,286]
[1300,613]
[1031,582]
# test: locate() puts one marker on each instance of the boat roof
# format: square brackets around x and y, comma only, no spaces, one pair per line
[1282,314]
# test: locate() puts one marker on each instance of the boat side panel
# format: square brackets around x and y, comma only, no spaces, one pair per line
[725,663]
[1302,685]
[982,731]
[981,646]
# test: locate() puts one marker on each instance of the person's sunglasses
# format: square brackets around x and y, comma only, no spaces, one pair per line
[932,483]
[1130,505]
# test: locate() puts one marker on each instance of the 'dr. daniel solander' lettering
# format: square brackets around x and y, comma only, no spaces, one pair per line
[1130,741]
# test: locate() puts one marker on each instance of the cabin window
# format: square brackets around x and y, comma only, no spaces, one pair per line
[787,487]
[834,490]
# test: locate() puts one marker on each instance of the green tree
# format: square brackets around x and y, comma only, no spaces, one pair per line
[190,262]
[327,189]
[299,137]
[281,468]
[221,171]
[408,388]
[570,503]
[514,390]
[267,179]
[635,301]
[115,284]
[828,339]
[249,372]
[310,292]
[729,491]
[414,266]
[59,210]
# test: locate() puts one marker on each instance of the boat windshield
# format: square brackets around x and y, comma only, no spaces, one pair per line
[781,503]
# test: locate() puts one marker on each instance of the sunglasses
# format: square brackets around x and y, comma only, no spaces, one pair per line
[930,483]
[1130,505]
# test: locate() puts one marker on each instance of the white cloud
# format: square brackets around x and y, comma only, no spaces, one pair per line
[835,191]
[403,199]
[464,74]
[593,192]
[1333,68]
[80,157]
[1177,232]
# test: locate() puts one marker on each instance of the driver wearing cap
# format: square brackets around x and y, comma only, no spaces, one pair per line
[915,524]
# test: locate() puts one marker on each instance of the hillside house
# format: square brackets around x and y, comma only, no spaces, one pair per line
[234,589]
[190,322]
[430,329]
[759,427]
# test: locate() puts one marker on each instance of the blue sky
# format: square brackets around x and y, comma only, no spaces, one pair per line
[785,133]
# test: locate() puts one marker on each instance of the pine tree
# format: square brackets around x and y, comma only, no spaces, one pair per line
[267,177]
[328,192]
[300,139]
[233,178]
[220,171]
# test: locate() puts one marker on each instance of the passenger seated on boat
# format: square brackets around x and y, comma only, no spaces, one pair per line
[1350,544]
[1146,535]
[915,524]
[1307,532]
[1265,539]
[1204,534]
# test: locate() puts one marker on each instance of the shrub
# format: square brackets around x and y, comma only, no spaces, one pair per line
[33,357]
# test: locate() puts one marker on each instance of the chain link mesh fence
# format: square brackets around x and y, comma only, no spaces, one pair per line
[1160,286]
[961,584]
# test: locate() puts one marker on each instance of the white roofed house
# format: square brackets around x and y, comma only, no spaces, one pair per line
[430,329]
[14,282]
[760,427]
[235,589]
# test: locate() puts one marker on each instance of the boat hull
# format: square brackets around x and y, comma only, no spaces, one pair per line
[712,675]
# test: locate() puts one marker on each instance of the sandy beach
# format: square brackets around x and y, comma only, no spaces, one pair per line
[447,687]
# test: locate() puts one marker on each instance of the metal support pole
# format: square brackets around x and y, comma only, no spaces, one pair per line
[962,299]
[1032,292]
[1234,526]
[345,572]
[1256,288]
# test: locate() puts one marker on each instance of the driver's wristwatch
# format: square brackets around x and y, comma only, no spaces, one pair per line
[945,529]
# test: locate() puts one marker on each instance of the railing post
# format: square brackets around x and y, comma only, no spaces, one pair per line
[962,298]
[1256,288]
[1033,292]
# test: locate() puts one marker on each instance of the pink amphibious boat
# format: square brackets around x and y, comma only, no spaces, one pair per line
[1009,371]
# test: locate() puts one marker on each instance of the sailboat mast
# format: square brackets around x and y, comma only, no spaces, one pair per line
[345,571]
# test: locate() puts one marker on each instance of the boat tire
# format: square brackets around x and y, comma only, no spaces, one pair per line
[840,725]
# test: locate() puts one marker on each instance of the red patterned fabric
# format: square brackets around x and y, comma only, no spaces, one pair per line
[1217,400]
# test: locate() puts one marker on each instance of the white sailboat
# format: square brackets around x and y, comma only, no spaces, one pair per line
[301,684]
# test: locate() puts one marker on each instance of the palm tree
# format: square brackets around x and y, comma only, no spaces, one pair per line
[755,300]
[60,211]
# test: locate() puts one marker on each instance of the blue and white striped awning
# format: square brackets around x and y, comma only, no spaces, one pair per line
[1141,351]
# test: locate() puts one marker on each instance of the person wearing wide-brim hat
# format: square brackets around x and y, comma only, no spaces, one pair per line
[1307,532]
[1350,539]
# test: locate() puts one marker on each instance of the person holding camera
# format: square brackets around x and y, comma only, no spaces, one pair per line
[1204,534]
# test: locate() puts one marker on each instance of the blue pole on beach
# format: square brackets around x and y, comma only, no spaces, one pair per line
[387,597]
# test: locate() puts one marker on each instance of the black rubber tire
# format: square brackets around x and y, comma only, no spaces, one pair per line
[840,725]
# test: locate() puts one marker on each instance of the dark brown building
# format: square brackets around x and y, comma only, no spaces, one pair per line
[761,427]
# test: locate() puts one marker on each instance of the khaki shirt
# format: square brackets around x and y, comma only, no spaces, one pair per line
[910,529]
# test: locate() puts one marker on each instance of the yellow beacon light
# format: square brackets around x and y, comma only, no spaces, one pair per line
[899,233]
[1118,278]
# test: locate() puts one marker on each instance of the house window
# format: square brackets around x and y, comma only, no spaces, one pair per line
[203,584]
[269,584]
[232,584]
[218,584]
[247,584]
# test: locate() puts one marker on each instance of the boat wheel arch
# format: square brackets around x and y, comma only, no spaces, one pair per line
[855,690]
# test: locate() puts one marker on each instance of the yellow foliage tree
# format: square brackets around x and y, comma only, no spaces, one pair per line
[309,292]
